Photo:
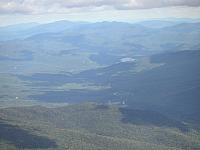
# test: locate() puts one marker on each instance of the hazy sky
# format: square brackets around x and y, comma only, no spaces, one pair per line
[16,11]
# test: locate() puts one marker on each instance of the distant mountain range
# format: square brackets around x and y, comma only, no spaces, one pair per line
[113,40]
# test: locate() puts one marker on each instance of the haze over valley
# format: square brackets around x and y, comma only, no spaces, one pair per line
[99,83]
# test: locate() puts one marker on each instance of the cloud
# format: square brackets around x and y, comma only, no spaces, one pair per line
[64,6]
[147,4]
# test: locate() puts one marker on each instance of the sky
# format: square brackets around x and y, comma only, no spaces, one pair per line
[20,11]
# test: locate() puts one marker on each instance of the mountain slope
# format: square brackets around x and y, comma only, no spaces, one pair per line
[93,126]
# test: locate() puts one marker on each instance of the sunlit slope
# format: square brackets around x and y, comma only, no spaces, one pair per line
[93,126]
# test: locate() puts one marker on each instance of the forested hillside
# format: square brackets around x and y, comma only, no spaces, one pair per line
[93,126]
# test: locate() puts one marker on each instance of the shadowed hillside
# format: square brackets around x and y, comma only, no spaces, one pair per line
[22,139]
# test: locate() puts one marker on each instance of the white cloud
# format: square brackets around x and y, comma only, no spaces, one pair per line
[145,4]
[63,6]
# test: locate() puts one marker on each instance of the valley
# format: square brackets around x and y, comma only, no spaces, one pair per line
[100,86]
